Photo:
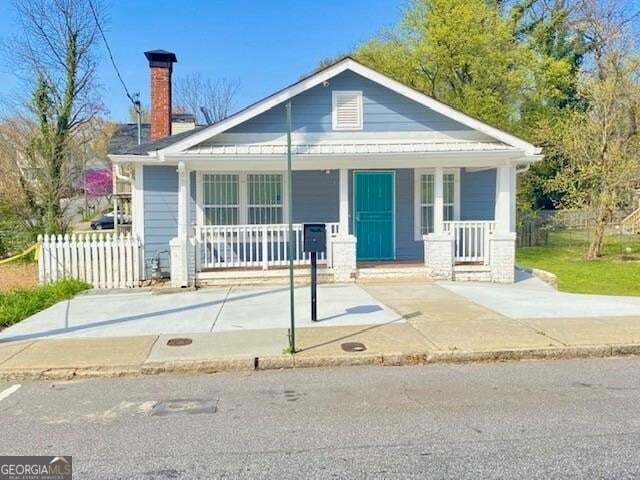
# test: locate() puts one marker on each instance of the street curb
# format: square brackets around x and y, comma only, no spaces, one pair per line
[305,360]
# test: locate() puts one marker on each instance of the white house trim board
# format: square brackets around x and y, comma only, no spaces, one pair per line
[138,214]
[138,203]
[335,162]
[326,74]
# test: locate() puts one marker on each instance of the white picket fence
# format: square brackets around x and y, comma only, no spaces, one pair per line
[102,260]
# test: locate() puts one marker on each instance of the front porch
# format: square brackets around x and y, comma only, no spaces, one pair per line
[428,232]
[261,251]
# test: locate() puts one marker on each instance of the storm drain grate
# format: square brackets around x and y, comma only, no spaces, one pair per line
[179,342]
[170,407]
[353,347]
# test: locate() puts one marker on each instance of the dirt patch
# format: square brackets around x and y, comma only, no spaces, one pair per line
[18,275]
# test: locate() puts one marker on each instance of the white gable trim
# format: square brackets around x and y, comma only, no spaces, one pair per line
[330,72]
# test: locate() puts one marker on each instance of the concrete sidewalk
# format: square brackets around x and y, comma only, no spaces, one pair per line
[246,329]
[130,313]
[423,332]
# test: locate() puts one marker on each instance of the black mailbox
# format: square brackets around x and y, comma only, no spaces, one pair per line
[315,237]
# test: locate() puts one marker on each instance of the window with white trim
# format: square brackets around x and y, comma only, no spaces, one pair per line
[448,196]
[265,198]
[221,199]
[427,193]
[425,200]
[347,110]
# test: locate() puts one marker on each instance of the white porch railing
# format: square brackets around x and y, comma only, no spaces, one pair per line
[253,246]
[471,240]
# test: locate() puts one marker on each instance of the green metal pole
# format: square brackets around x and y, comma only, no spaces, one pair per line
[292,335]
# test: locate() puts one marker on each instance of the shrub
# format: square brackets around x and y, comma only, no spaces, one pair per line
[20,304]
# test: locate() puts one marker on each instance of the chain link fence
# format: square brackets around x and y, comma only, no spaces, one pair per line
[534,228]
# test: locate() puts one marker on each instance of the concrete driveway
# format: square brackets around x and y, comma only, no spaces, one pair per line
[204,311]
[530,297]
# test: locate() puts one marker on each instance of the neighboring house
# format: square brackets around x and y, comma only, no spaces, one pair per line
[403,182]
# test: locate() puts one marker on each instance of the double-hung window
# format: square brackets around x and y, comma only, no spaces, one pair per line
[240,198]
[425,200]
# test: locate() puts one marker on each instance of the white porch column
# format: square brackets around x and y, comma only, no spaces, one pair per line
[183,201]
[344,201]
[505,199]
[179,245]
[343,246]
[438,201]
[503,241]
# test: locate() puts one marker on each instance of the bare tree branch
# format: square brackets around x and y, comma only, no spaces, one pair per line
[194,91]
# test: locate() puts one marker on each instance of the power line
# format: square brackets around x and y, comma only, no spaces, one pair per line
[136,102]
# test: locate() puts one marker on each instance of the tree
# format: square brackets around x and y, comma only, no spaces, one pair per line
[602,142]
[470,55]
[54,55]
[99,183]
[551,29]
[193,91]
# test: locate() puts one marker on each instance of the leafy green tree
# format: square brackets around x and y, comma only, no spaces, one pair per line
[601,143]
[471,55]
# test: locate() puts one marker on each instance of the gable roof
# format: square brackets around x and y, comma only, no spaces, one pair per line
[176,145]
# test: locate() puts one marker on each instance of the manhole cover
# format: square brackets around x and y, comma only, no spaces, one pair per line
[353,347]
[179,342]
[169,407]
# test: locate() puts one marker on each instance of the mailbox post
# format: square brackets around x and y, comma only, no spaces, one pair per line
[315,240]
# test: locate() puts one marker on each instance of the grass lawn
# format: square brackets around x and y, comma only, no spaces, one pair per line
[610,275]
[19,304]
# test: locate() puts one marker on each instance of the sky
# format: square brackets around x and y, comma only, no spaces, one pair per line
[264,44]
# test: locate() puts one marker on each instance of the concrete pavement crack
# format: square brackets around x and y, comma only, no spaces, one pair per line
[538,331]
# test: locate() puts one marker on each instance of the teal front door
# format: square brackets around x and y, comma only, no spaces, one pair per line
[373,202]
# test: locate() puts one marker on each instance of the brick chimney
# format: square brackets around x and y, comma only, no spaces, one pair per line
[160,66]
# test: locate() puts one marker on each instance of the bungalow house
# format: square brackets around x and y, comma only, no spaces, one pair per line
[404,183]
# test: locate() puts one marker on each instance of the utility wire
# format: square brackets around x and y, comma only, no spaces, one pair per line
[135,102]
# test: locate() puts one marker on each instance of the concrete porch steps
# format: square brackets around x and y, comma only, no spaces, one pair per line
[393,271]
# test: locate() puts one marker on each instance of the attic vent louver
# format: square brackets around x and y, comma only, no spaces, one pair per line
[347,110]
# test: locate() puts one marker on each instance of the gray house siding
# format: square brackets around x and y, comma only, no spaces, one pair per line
[478,195]
[406,246]
[383,111]
[160,185]
[316,196]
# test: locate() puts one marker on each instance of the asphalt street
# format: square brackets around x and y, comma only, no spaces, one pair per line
[553,419]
